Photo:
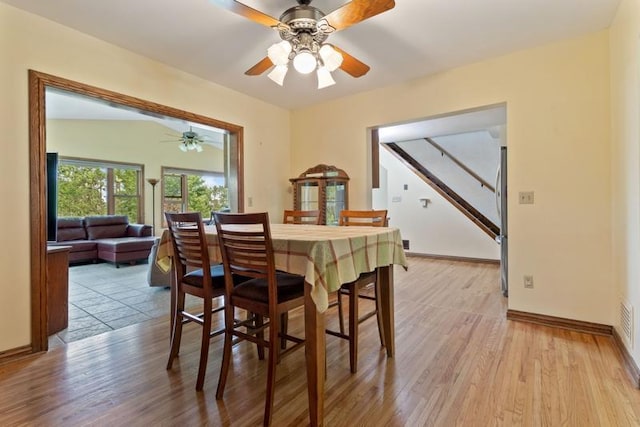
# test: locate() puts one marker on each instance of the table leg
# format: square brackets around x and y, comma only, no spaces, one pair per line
[315,356]
[385,278]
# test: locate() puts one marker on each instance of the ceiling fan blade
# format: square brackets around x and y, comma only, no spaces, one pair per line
[351,65]
[262,66]
[247,12]
[356,11]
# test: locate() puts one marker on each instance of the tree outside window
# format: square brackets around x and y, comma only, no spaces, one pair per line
[125,194]
[194,191]
[88,187]
[81,191]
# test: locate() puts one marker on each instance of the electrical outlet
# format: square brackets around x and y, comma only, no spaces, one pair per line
[528,281]
[525,197]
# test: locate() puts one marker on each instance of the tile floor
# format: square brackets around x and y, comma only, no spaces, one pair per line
[103,298]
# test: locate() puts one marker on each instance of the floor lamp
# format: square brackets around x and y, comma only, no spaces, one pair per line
[153,182]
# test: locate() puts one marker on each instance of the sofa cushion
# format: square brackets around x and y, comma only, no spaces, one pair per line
[126,244]
[107,226]
[70,229]
[82,245]
[139,230]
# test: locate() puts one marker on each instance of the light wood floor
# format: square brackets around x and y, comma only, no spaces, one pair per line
[458,362]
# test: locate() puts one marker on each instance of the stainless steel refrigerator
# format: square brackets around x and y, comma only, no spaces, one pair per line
[501,204]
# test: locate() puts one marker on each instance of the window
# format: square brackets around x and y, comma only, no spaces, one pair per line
[185,190]
[94,187]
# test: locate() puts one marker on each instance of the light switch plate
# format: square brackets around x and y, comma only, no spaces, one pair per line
[525,197]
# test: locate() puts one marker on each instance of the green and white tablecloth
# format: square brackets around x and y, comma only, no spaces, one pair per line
[327,256]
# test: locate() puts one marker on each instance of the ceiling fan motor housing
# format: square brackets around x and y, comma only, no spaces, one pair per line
[302,29]
[302,17]
[189,135]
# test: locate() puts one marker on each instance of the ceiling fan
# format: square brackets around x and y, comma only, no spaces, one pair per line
[304,30]
[189,141]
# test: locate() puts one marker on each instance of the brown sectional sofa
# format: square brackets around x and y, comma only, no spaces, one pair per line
[109,238]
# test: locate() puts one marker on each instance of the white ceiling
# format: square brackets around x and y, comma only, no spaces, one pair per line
[416,38]
[492,119]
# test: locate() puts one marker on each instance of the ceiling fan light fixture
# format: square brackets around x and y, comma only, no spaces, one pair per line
[303,30]
[278,73]
[278,53]
[305,62]
[198,148]
[183,147]
[330,57]
[324,78]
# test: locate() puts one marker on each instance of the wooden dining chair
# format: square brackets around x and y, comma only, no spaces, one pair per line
[247,250]
[373,218]
[194,275]
[301,217]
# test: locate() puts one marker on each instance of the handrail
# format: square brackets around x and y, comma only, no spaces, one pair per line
[464,167]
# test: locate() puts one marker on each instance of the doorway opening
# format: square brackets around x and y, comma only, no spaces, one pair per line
[443,180]
[39,85]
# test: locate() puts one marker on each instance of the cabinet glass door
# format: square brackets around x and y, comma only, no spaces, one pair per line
[336,202]
[309,197]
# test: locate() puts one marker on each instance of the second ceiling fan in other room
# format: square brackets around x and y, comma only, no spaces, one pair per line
[189,141]
[304,30]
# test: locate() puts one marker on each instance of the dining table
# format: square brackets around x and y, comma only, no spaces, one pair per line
[327,256]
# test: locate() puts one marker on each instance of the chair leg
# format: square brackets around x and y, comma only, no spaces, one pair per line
[353,328]
[340,314]
[204,345]
[226,351]
[271,370]
[176,332]
[259,322]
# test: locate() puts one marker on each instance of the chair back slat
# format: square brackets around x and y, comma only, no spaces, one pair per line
[372,218]
[301,217]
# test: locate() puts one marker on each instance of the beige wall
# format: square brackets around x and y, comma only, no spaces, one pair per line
[30,42]
[625,112]
[558,127]
[131,141]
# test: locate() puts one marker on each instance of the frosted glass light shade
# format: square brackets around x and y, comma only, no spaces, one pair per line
[278,73]
[331,58]
[304,62]
[278,53]
[324,78]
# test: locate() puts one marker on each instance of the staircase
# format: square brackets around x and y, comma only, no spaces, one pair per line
[458,181]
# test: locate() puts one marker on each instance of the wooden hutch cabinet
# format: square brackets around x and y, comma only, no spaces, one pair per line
[322,187]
